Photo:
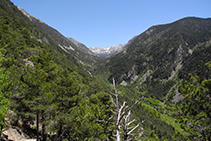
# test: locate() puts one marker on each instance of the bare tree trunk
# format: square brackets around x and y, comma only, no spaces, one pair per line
[118,133]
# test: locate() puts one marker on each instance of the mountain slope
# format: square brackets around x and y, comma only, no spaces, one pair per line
[156,62]
[158,54]
[80,45]
[47,84]
[82,55]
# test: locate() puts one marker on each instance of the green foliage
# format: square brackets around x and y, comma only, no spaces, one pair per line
[49,82]
[4,101]
[194,115]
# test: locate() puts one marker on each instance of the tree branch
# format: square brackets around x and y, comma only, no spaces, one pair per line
[130,108]
[112,100]
[133,129]
[131,121]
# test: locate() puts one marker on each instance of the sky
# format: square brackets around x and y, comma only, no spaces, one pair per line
[102,23]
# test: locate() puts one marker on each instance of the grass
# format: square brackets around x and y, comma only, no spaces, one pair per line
[172,122]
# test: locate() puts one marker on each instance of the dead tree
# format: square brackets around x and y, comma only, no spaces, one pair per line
[122,112]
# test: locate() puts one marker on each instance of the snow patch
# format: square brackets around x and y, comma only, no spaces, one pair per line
[107,51]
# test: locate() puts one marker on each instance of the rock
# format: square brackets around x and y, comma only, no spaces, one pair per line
[15,134]
[123,83]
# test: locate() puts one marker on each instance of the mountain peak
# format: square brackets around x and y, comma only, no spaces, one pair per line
[108,51]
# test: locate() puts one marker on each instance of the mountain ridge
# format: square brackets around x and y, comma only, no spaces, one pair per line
[111,50]
[80,52]
[80,45]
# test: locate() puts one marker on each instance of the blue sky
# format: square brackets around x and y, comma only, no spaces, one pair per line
[101,23]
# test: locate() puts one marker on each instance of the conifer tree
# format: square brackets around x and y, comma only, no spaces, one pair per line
[4,102]
[194,114]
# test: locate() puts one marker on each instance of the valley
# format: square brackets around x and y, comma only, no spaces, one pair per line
[58,89]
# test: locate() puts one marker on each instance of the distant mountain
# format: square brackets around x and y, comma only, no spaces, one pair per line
[111,50]
[106,52]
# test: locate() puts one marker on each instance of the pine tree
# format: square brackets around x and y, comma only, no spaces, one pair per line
[4,102]
[194,114]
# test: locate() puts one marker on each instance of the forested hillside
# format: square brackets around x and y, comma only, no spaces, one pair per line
[154,65]
[162,56]
[48,89]
[53,90]
[82,55]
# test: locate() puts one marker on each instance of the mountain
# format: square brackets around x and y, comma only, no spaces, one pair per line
[155,63]
[80,52]
[106,52]
[161,56]
[111,50]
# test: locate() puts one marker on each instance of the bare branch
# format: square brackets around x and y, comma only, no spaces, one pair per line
[114,86]
[127,117]
[112,100]
[111,117]
[131,121]
[113,94]
[133,129]
[131,108]
[130,127]
[122,107]
[142,121]
[113,112]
